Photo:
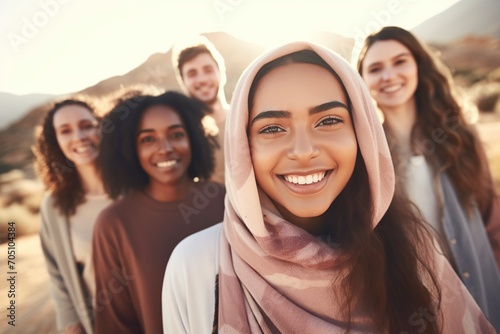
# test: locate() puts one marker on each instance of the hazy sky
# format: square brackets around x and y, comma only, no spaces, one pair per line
[62,46]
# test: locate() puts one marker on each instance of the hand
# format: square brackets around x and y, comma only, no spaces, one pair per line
[75,329]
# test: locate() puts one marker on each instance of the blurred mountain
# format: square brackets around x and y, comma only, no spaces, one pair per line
[17,139]
[473,58]
[14,107]
[466,17]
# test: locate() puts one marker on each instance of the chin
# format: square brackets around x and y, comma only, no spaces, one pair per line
[308,213]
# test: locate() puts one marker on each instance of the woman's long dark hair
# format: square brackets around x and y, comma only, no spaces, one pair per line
[460,154]
[388,264]
[57,172]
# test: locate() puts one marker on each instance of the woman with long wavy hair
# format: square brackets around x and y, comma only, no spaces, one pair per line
[314,237]
[67,145]
[438,157]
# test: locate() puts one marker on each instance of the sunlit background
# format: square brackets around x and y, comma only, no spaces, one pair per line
[50,49]
[63,46]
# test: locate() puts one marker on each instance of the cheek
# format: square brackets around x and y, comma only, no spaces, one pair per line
[263,157]
[215,77]
[142,153]
[95,136]
[345,148]
[189,82]
[62,141]
[184,147]
[373,81]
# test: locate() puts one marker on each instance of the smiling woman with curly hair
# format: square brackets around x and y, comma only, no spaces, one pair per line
[67,146]
[156,161]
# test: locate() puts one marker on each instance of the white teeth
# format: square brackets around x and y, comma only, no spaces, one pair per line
[82,149]
[165,164]
[391,89]
[308,179]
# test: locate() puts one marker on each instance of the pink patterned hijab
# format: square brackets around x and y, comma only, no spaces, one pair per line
[275,277]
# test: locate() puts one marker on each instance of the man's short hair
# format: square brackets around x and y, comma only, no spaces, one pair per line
[190,53]
[189,49]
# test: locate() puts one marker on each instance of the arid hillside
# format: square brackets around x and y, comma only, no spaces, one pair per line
[17,139]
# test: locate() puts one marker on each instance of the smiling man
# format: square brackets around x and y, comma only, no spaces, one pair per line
[201,72]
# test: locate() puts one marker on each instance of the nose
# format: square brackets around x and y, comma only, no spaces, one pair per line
[165,145]
[387,73]
[303,148]
[202,77]
[79,134]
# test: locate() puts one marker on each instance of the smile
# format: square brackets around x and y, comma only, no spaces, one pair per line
[391,89]
[306,184]
[305,179]
[165,164]
[83,149]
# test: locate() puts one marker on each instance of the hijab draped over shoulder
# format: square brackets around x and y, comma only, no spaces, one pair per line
[275,277]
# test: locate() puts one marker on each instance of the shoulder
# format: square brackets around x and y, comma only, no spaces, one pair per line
[211,189]
[50,216]
[47,202]
[198,248]
[109,218]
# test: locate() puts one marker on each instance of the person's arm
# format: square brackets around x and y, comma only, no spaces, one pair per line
[490,212]
[113,308]
[460,313]
[491,219]
[75,329]
[66,315]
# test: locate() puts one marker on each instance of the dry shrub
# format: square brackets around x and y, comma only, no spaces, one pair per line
[26,221]
[19,202]
[486,95]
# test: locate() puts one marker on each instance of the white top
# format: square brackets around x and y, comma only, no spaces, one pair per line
[81,228]
[188,293]
[419,188]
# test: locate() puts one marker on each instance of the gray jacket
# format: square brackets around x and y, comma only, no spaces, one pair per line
[71,303]
[472,253]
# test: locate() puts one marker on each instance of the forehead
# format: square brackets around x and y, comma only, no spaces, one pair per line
[303,85]
[381,50]
[202,60]
[72,114]
[159,115]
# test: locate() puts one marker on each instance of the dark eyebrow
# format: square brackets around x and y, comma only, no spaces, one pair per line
[175,126]
[271,114]
[402,54]
[82,121]
[327,106]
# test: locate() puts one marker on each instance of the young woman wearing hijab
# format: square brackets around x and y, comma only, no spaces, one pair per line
[156,161]
[314,239]
[66,150]
[439,158]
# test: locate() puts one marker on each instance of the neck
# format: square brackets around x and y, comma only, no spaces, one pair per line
[401,121]
[219,109]
[170,192]
[90,179]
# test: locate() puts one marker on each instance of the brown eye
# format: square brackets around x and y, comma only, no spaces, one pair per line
[178,135]
[271,129]
[329,121]
[147,140]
